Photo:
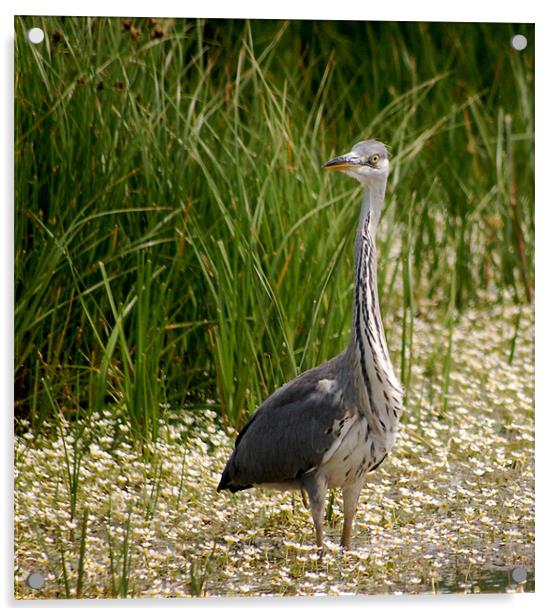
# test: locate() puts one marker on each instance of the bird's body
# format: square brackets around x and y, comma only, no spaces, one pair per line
[333,424]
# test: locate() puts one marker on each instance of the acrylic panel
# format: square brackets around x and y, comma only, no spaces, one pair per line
[190,236]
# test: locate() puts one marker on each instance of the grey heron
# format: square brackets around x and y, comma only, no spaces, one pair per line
[333,424]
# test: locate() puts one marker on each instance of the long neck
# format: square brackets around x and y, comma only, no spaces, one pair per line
[378,389]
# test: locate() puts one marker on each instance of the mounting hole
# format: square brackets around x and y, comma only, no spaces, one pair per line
[519,574]
[35,581]
[519,42]
[35,36]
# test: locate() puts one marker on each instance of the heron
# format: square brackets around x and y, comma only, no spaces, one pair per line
[332,425]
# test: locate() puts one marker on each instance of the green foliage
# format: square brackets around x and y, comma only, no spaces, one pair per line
[175,239]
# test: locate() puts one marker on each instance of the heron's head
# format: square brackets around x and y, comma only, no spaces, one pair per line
[368,162]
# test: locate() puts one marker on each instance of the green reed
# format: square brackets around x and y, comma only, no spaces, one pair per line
[175,240]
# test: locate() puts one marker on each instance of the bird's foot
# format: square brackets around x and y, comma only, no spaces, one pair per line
[320,551]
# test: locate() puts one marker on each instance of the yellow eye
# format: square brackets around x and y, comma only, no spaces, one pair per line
[374,159]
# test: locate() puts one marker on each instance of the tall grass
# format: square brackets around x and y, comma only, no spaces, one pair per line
[176,242]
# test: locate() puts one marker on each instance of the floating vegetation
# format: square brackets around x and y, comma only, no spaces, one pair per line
[451,510]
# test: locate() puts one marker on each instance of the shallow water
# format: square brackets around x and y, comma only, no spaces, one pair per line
[451,510]
[487,582]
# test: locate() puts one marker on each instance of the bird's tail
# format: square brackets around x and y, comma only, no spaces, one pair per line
[227,483]
[224,483]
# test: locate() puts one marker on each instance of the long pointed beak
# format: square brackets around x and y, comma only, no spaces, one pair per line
[340,163]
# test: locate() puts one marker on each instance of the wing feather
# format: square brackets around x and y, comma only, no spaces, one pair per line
[290,433]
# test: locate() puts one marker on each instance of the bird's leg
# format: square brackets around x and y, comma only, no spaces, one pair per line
[304,499]
[317,491]
[350,496]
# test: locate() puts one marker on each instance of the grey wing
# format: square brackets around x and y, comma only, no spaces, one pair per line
[289,434]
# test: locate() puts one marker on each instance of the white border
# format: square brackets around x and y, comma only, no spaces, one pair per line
[407,10]
[538,11]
